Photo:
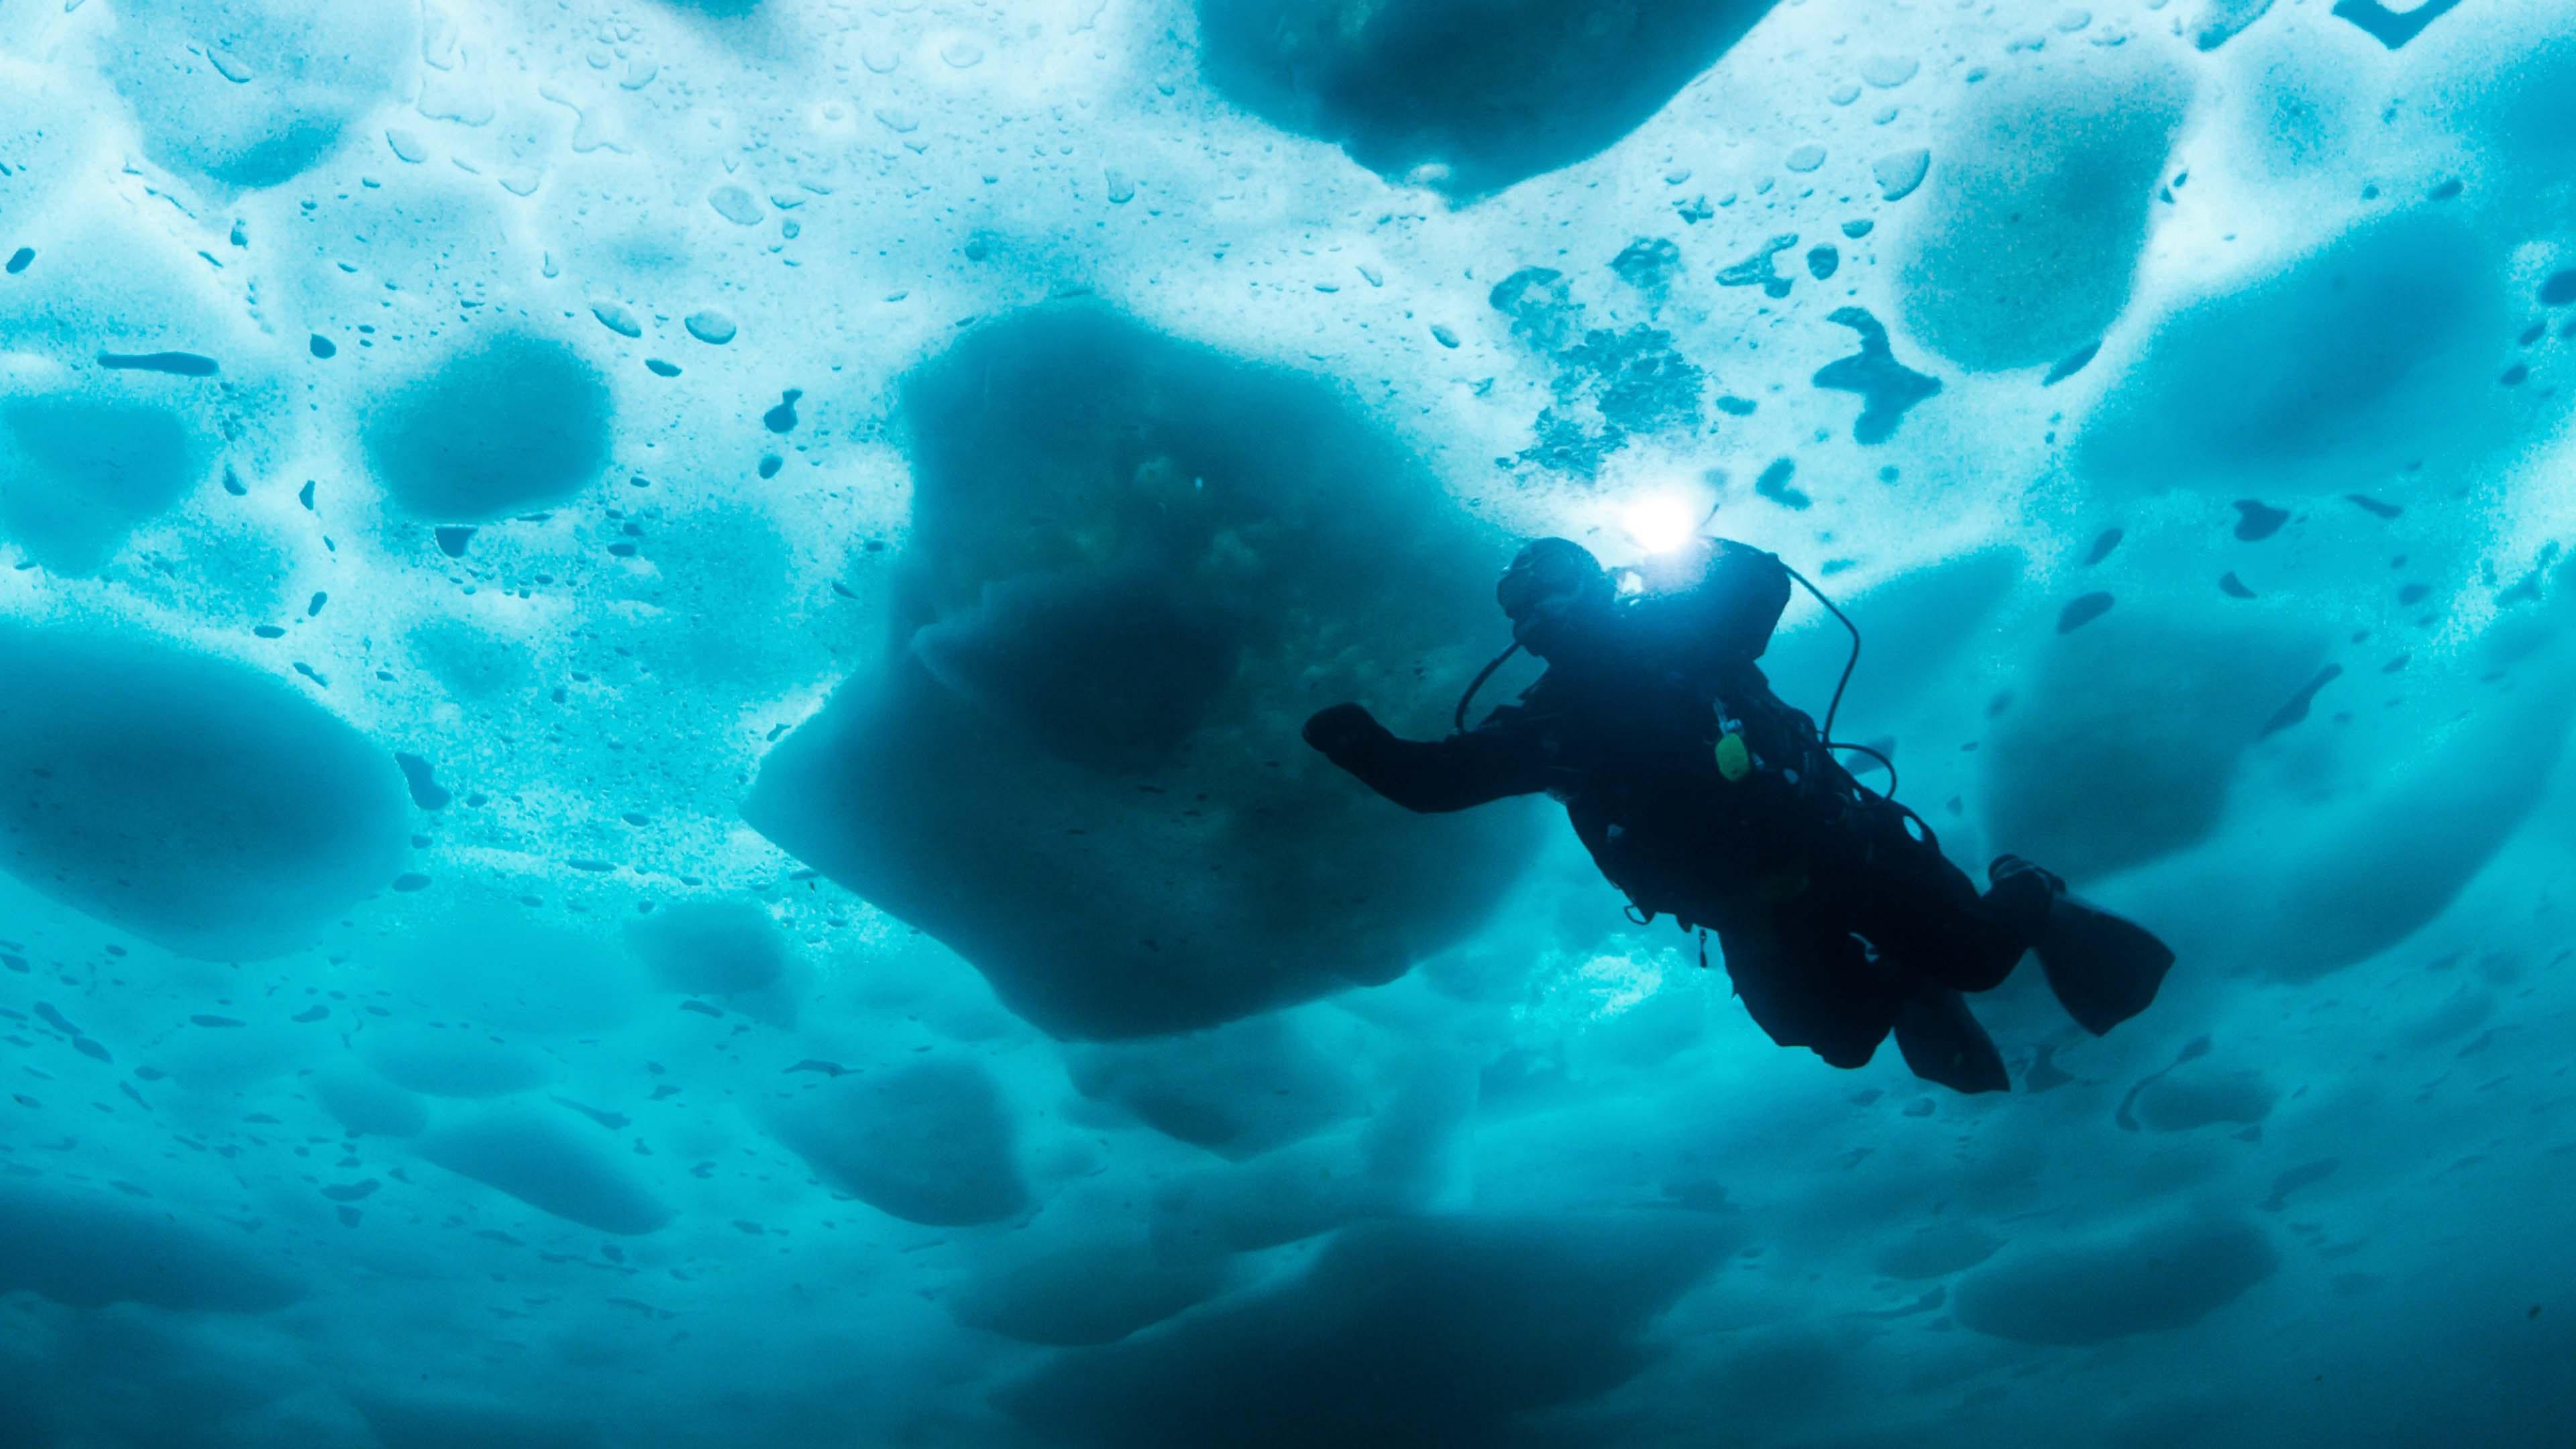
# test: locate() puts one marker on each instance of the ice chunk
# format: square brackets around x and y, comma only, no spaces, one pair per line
[2082,774]
[540,1161]
[183,797]
[79,472]
[423,1423]
[1938,1250]
[714,947]
[88,1250]
[367,1106]
[450,1060]
[2095,1291]
[1093,1291]
[1238,1090]
[252,93]
[1440,1330]
[2179,1101]
[2372,353]
[1470,100]
[1135,567]
[929,1143]
[2022,249]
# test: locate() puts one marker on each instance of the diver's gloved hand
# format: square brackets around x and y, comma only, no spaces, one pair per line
[1341,728]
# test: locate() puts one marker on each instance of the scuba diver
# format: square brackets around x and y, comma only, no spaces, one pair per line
[1705,797]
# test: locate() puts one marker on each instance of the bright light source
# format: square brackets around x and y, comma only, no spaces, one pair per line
[1660,522]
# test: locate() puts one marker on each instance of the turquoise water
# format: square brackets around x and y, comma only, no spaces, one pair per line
[651,658]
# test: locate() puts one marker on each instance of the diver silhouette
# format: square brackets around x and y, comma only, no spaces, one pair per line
[1705,797]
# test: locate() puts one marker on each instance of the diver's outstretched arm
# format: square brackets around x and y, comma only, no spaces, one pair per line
[1492,761]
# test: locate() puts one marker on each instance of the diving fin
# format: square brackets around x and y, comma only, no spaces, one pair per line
[2104,968]
[1944,1044]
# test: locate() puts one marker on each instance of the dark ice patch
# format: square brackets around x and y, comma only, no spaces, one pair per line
[2081,610]
[20,260]
[176,364]
[2373,506]
[1758,270]
[2071,364]
[2103,542]
[2220,21]
[2392,28]
[1774,484]
[2256,521]
[782,418]
[2299,704]
[2233,587]
[1610,384]
[613,1121]
[1541,307]
[1887,388]
[1648,264]
[512,424]
[423,782]
[1823,261]
[2306,1174]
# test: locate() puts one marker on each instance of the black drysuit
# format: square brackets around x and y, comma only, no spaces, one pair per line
[1830,911]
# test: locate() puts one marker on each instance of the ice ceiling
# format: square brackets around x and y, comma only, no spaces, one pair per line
[650,657]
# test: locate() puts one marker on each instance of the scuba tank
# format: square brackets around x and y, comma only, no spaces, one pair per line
[1718,599]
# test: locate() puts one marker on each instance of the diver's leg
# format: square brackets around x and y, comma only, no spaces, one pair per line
[1925,912]
[1944,1043]
[2104,968]
[1806,987]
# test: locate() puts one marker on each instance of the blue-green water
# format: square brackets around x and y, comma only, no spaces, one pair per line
[651,658]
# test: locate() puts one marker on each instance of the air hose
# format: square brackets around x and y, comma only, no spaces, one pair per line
[1849,664]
